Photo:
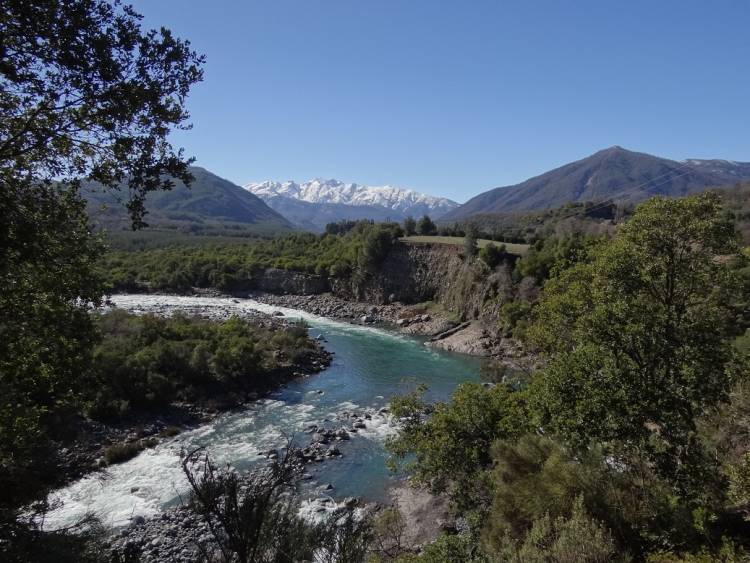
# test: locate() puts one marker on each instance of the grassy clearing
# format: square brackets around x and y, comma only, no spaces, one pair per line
[510,247]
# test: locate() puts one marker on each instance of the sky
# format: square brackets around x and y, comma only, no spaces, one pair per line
[455,97]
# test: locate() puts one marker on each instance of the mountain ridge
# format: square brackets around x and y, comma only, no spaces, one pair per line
[614,173]
[209,201]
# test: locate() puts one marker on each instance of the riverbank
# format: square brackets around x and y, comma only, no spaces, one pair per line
[94,445]
[441,328]
[339,420]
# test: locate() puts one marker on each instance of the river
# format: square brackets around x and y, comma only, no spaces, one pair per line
[370,365]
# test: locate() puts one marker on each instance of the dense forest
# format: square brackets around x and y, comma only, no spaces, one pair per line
[233,265]
[631,442]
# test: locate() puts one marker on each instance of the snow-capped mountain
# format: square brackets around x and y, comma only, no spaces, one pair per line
[317,202]
[726,171]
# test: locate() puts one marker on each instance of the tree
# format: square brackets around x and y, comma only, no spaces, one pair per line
[578,538]
[425,226]
[452,447]
[639,337]
[85,94]
[377,242]
[492,254]
[410,226]
[470,242]
[254,519]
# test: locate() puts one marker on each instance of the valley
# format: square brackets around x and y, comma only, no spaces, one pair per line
[369,365]
[509,341]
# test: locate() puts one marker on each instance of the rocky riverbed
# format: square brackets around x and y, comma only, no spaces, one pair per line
[339,419]
[180,534]
[469,337]
[86,451]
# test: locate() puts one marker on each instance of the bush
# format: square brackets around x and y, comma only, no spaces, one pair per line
[575,539]
[448,549]
[118,453]
[452,446]
[146,362]
[255,518]
[492,255]
[170,432]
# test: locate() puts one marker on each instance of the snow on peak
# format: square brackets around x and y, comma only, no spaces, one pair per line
[321,190]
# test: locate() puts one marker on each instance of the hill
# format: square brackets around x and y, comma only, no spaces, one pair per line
[311,205]
[613,174]
[211,205]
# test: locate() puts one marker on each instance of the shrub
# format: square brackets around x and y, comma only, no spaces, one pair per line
[118,453]
[170,432]
[575,539]
[145,362]
[492,255]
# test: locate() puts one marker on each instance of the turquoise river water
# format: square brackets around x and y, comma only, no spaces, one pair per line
[370,365]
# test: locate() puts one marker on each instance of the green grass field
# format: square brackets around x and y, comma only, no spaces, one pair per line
[510,247]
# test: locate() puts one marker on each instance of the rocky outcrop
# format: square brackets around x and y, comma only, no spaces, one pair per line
[461,290]
[409,274]
[274,280]
[414,273]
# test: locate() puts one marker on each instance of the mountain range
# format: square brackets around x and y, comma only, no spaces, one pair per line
[209,205]
[311,205]
[613,174]
[213,205]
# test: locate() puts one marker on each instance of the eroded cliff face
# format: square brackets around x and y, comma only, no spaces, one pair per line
[411,273]
[274,280]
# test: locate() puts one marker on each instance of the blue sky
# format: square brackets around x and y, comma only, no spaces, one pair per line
[455,97]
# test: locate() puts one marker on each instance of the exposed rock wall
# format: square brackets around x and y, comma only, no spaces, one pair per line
[410,273]
[273,280]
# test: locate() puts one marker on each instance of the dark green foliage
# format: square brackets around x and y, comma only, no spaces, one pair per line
[470,242]
[587,218]
[254,519]
[448,549]
[425,226]
[340,227]
[634,392]
[452,446]
[377,241]
[85,93]
[538,476]
[47,263]
[84,543]
[117,453]
[640,337]
[410,226]
[235,266]
[737,208]
[493,255]
[145,362]
[552,253]
[516,315]
[578,538]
